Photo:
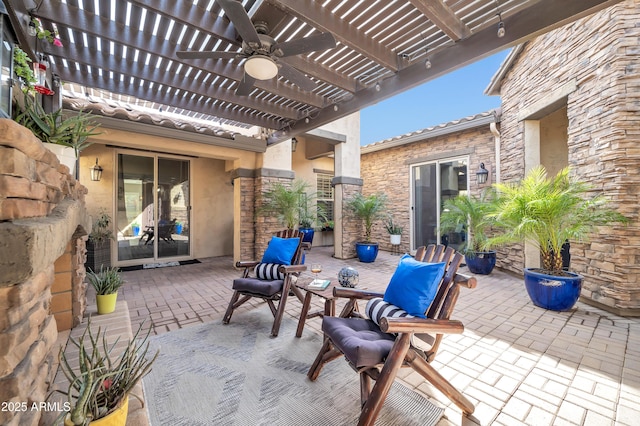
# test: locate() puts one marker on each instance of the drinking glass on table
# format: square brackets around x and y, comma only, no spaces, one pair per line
[316,268]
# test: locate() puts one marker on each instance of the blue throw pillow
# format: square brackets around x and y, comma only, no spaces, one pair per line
[414,284]
[280,250]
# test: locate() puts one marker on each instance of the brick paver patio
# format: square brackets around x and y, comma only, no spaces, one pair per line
[518,363]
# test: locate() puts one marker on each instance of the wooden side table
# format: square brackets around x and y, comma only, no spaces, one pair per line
[327,294]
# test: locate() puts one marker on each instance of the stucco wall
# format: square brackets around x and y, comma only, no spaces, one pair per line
[595,62]
[212,193]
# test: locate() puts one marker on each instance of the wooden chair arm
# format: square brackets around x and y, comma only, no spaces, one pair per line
[465,280]
[355,293]
[288,269]
[420,325]
[246,263]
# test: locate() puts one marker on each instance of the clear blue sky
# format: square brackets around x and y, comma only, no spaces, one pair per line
[447,98]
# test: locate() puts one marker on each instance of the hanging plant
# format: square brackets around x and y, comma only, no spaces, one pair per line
[52,37]
[22,68]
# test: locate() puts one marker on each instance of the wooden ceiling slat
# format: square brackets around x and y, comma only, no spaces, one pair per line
[126,88]
[312,12]
[441,15]
[151,73]
[369,48]
[521,26]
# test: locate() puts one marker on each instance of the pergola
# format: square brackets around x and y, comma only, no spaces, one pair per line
[126,51]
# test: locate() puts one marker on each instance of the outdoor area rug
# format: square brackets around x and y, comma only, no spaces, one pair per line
[236,374]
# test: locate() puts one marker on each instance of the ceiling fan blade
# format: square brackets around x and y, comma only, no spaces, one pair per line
[306,44]
[240,19]
[194,54]
[245,85]
[296,77]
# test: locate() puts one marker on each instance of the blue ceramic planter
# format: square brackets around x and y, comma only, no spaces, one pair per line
[307,235]
[482,263]
[552,292]
[367,252]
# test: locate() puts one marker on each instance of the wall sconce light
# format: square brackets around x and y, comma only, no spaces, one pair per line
[96,172]
[482,174]
[501,30]
[294,144]
[378,87]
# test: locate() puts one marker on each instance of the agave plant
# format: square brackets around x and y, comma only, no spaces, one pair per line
[101,381]
[548,212]
[72,131]
[107,281]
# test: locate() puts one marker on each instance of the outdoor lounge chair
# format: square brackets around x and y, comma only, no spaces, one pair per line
[165,232]
[273,280]
[378,351]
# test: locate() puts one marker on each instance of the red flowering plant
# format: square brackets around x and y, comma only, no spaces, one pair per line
[52,37]
[101,382]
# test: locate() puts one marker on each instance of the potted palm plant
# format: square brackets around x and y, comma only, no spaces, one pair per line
[284,201]
[100,387]
[368,209]
[547,212]
[471,213]
[106,283]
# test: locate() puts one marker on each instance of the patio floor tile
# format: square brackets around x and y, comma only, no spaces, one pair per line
[518,363]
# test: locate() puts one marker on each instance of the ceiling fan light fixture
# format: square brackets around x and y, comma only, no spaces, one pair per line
[261,67]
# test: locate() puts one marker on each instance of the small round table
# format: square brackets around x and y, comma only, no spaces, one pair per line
[327,294]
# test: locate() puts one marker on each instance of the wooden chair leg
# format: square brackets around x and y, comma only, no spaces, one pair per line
[280,312]
[327,354]
[303,314]
[230,308]
[394,361]
[365,388]
[439,382]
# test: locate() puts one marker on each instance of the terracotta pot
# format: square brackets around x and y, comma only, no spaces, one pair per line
[106,303]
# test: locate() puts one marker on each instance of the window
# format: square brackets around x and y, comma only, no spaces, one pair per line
[325,197]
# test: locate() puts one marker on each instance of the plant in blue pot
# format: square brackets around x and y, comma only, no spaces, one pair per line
[469,216]
[369,209]
[548,212]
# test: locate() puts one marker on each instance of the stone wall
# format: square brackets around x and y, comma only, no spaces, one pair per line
[43,223]
[388,171]
[596,61]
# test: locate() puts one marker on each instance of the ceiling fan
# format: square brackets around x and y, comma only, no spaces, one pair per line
[263,54]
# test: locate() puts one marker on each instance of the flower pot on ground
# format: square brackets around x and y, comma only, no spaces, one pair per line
[106,283]
[367,252]
[471,214]
[557,293]
[100,387]
[548,212]
[99,243]
[368,209]
[395,232]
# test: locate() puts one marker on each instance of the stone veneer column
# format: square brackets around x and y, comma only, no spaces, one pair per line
[266,223]
[253,229]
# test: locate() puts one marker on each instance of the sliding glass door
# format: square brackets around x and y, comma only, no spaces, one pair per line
[152,208]
[432,184]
